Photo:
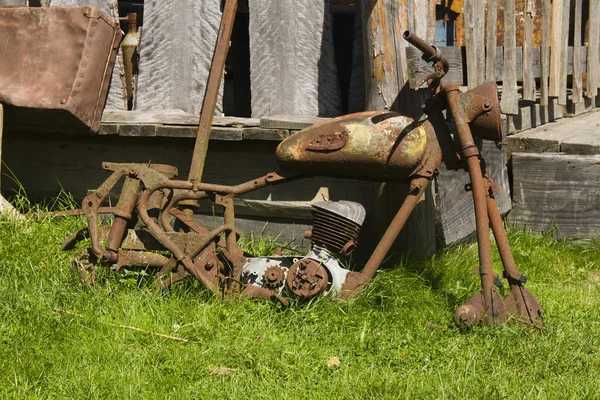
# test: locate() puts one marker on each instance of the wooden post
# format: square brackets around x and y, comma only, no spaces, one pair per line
[544,53]
[577,70]
[528,77]
[474,11]
[510,96]
[491,40]
[292,67]
[384,21]
[385,61]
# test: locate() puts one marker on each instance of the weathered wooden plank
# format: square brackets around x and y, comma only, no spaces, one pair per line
[170,117]
[529,92]
[474,11]
[510,97]
[557,192]
[562,82]
[534,115]
[550,137]
[577,70]
[386,68]
[293,68]
[556,42]
[457,60]
[490,40]
[289,121]
[175,54]
[585,143]
[545,53]
[455,216]
[593,73]
[13,3]
[116,94]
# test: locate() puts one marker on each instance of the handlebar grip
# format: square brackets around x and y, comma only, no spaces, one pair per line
[427,50]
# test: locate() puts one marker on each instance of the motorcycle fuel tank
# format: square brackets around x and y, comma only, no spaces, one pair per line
[372,145]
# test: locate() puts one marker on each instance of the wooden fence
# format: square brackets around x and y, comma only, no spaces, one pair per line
[544,53]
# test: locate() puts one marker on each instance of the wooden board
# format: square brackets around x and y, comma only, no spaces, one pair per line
[593,73]
[417,68]
[570,135]
[176,49]
[490,40]
[529,92]
[510,97]
[545,53]
[577,70]
[557,193]
[474,12]
[385,64]
[564,43]
[12,3]
[292,64]
[455,212]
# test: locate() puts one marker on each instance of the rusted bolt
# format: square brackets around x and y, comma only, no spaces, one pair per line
[487,105]
[63,101]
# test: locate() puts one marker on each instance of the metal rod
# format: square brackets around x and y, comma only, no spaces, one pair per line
[417,188]
[212,90]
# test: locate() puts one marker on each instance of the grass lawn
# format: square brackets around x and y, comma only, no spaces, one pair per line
[396,341]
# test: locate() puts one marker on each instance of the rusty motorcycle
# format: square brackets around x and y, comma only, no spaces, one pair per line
[374,145]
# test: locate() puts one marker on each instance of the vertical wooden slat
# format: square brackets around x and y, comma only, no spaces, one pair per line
[577,70]
[432,21]
[528,77]
[385,50]
[490,40]
[474,11]
[510,99]
[555,54]
[564,54]
[545,53]
[592,62]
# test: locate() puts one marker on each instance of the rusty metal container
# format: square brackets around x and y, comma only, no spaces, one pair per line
[55,67]
[376,145]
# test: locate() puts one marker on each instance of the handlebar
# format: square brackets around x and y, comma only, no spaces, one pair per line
[428,50]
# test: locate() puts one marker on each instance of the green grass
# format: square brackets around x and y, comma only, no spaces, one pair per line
[396,341]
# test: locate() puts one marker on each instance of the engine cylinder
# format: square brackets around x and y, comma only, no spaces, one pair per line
[336,225]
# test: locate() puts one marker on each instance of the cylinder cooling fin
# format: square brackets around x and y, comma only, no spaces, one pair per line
[336,225]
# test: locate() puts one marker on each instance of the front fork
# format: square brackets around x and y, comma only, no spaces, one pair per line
[487,305]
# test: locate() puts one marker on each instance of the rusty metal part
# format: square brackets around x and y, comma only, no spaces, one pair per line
[520,303]
[471,153]
[77,49]
[123,214]
[141,259]
[430,54]
[478,309]
[355,281]
[212,90]
[378,145]
[482,111]
[333,231]
[250,292]
[274,277]
[307,279]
